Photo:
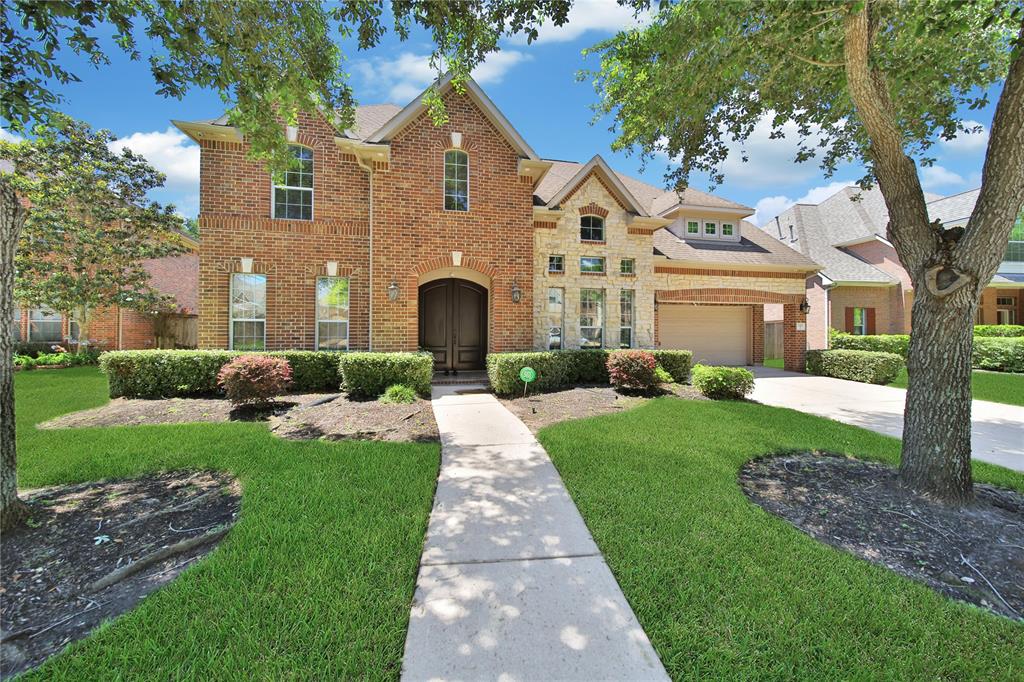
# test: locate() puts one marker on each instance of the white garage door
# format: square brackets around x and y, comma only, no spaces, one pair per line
[717,335]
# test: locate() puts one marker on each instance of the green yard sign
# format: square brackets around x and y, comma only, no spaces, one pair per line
[527,374]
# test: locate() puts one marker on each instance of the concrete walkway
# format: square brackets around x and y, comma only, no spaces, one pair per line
[997,432]
[511,585]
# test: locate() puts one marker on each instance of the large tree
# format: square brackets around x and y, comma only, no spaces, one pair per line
[267,59]
[872,80]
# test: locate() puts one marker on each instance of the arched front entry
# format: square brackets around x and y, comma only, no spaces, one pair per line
[453,323]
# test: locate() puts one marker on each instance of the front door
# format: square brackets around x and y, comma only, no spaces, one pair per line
[453,323]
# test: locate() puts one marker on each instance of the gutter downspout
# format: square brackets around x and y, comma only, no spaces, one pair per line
[368,167]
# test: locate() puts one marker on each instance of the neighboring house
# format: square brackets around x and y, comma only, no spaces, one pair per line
[116,328]
[862,287]
[461,240]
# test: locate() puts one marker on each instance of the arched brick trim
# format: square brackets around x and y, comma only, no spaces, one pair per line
[446,261]
[748,296]
[593,209]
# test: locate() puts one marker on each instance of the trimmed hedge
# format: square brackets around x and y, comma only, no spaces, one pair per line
[868,367]
[1004,330]
[558,369]
[368,375]
[723,383]
[998,354]
[633,369]
[877,343]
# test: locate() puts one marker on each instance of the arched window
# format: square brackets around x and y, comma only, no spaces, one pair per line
[592,228]
[293,189]
[456,180]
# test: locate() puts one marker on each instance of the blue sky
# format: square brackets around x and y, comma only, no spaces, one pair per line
[534,85]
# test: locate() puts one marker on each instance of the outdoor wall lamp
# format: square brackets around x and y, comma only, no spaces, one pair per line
[517,293]
[805,307]
[393,291]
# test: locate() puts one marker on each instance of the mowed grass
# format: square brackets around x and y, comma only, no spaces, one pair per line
[315,581]
[727,591]
[998,387]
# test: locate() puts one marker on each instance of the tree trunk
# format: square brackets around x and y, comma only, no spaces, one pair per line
[949,268]
[12,219]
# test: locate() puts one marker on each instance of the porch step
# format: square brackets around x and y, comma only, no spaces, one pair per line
[464,377]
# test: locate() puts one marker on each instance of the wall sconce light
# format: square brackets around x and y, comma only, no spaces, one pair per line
[456,140]
[292,133]
[393,291]
[457,258]
[332,268]
[246,264]
[805,307]
[517,293]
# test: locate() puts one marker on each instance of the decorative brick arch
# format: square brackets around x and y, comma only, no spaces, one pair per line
[593,209]
[724,295]
[483,267]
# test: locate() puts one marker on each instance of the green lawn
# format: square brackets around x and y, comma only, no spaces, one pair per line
[777,363]
[314,582]
[725,590]
[999,387]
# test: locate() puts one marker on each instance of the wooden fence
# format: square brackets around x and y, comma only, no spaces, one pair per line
[772,340]
[176,331]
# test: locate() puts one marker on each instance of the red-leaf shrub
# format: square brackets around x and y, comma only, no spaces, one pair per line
[254,379]
[633,369]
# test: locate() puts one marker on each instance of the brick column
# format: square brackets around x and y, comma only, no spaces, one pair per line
[794,341]
[757,333]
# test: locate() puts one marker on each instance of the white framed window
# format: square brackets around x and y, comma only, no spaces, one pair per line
[556,263]
[16,325]
[728,229]
[1008,301]
[710,228]
[693,228]
[73,330]
[626,312]
[591,228]
[456,180]
[332,305]
[627,266]
[860,322]
[592,264]
[44,326]
[554,315]
[591,318]
[292,194]
[1006,316]
[248,329]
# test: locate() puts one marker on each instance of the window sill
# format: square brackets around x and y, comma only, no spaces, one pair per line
[599,242]
[627,274]
[596,274]
[556,273]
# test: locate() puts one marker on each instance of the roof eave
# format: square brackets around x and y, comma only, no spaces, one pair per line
[739,211]
[208,132]
[599,164]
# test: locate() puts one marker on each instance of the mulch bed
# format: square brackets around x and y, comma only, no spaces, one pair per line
[136,412]
[974,554]
[542,409]
[93,551]
[344,419]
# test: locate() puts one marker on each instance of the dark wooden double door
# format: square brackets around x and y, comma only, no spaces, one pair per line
[453,323]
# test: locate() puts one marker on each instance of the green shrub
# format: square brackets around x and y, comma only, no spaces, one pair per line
[723,383]
[632,369]
[312,371]
[868,367]
[254,379]
[999,330]
[676,363]
[999,354]
[398,393]
[367,375]
[878,343]
[26,362]
[662,376]
[555,369]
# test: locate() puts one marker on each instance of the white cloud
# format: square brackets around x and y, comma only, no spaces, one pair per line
[407,75]
[7,136]
[173,154]
[967,142]
[769,207]
[603,16]
[936,176]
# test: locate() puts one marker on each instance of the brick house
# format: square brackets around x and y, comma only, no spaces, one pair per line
[862,287]
[460,239]
[116,328]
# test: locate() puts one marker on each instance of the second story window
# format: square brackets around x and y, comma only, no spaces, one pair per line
[293,189]
[592,228]
[693,227]
[627,266]
[556,264]
[592,264]
[727,229]
[456,180]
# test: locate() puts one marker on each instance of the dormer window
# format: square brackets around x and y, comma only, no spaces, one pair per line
[710,229]
[591,228]
[693,228]
[292,197]
[456,180]
[728,229]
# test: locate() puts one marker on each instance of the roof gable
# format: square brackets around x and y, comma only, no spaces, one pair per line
[597,166]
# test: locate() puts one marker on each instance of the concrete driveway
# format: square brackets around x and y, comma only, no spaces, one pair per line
[997,432]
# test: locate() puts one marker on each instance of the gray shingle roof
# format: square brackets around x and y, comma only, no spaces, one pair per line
[755,248]
[370,118]
[954,209]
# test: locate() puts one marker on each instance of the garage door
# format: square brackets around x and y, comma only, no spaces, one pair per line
[717,335]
